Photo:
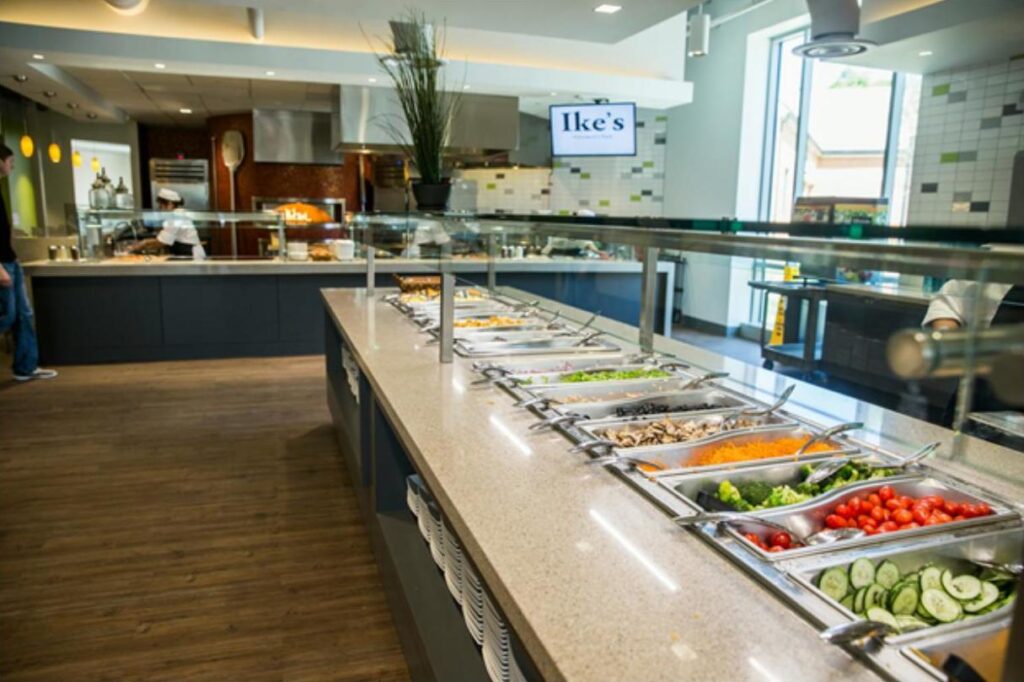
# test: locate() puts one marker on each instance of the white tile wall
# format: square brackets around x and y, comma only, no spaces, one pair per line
[621,186]
[971,125]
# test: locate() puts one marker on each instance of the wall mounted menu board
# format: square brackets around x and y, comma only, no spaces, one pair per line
[593,129]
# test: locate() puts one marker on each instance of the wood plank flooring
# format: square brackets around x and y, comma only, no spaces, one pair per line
[183,521]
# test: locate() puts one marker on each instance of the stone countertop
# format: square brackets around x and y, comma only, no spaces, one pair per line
[161,267]
[597,582]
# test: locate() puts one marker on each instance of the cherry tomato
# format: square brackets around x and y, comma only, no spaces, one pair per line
[782,539]
[886,493]
[936,501]
[932,521]
[835,521]
[752,537]
[906,501]
[944,517]
[893,504]
[968,510]
[920,514]
[844,511]
[888,527]
[983,509]
[776,548]
[951,508]
[871,530]
[854,504]
[913,524]
[763,545]
[959,517]
[906,526]
[862,519]
[902,517]
[875,499]
[867,506]
[878,514]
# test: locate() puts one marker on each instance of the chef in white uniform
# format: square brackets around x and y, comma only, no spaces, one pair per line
[177,235]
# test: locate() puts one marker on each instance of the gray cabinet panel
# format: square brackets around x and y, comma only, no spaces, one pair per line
[219,310]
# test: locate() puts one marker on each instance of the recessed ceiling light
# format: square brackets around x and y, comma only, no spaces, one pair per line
[72,105]
[466,86]
[372,79]
[184,110]
[554,94]
[925,53]
[271,73]
[49,93]
[91,115]
[607,9]
[158,65]
[38,56]
[21,78]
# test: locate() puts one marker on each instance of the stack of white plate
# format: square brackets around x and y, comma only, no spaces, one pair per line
[413,486]
[473,603]
[452,563]
[436,534]
[496,643]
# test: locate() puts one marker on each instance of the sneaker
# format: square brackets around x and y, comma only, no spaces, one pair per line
[40,373]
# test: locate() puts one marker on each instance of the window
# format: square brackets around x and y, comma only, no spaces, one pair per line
[836,130]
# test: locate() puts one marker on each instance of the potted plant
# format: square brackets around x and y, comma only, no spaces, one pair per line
[414,64]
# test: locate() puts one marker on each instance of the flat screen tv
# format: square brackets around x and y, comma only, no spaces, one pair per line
[593,129]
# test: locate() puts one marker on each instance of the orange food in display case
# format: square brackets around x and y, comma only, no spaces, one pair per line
[728,453]
[300,214]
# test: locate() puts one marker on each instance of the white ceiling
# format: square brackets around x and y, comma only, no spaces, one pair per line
[572,19]
[156,98]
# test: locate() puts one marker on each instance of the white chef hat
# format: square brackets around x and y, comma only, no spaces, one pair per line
[169,195]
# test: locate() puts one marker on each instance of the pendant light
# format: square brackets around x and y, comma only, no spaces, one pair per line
[76,159]
[54,152]
[95,164]
[28,145]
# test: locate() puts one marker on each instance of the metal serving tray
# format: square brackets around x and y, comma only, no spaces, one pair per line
[687,486]
[675,457]
[533,366]
[948,551]
[683,400]
[538,380]
[605,391]
[515,335]
[810,518]
[561,344]
[597,429]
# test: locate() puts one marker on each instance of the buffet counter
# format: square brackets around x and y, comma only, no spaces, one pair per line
[595,582]
[128,310]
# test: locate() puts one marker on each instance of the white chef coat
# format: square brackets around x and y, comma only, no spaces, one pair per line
[181,230]
[962,301]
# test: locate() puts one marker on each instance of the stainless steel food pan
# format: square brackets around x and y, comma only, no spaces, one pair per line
[558,378]
[675,403]
[561,344]
[567,396]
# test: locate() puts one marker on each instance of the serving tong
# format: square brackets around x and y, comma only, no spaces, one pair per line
[826,470]
[828,433]
[821,537]
[757,411]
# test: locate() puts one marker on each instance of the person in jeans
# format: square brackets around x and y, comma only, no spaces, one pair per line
[15,310]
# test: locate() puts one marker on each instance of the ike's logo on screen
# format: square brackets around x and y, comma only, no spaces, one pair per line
[576,122]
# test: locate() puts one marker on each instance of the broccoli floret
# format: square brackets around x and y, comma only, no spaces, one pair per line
[809,489]
[783,495]
[730,494]
[755,492]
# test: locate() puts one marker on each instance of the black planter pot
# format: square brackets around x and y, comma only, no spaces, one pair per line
[432,197]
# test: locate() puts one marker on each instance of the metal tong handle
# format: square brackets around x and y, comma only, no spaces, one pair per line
[720,517]
[844,633]
[586,325]
[672,364]
[700,381]
[544,403]
[761,412]
[588,338]
[551,422]
[526,306]
[828,433]
[554,318]
[635,461]
[491,374]
[921,454]
[591,445]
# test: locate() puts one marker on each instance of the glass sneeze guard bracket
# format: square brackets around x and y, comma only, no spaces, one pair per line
[492,265]
[648,296]
[447,330]
[371,270]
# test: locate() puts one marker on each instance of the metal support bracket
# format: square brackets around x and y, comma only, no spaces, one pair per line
[648,296]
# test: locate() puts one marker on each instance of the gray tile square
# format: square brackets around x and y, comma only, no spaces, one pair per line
[989,123]
[955,97]
[968,156]
[961,196]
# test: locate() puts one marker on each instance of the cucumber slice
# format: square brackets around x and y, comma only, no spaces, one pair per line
[994,575]
[931,579]
[941,606]
[887,575]
[880,615]
[858,600]
[876,596]
[989,595]
[834,583]
[847,602]
[903,602]
[910,623]
[862,573]
[963,587]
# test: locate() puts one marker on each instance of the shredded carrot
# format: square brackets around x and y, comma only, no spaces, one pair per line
[760,449]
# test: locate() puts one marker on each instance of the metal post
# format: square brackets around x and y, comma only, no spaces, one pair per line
[447,316]
[234,238]
[648,299]
[492,265]
[371,271]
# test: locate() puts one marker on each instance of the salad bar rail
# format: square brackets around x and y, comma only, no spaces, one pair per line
[674,459]
[905,566]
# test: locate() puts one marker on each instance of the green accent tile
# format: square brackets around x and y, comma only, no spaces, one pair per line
[940,90]
[949,157]
[604,202]
[565,211]
[635,197]
[1015,57]
[492,185]
[648,164]
[661,119]
[584,176]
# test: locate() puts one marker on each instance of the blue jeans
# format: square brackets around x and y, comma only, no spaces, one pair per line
[16,315]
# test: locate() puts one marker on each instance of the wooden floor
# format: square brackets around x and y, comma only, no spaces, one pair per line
[183,521]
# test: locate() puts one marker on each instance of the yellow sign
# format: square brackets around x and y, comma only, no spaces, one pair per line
[789,273]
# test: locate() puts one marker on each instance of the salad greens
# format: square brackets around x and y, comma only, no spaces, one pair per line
[588,375]
[755,495]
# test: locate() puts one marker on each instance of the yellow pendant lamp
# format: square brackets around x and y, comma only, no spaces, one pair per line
[76,159]
[54,152]
[95,164]
[27,145]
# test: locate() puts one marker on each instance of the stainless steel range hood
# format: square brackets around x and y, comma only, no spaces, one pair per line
[485,125]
